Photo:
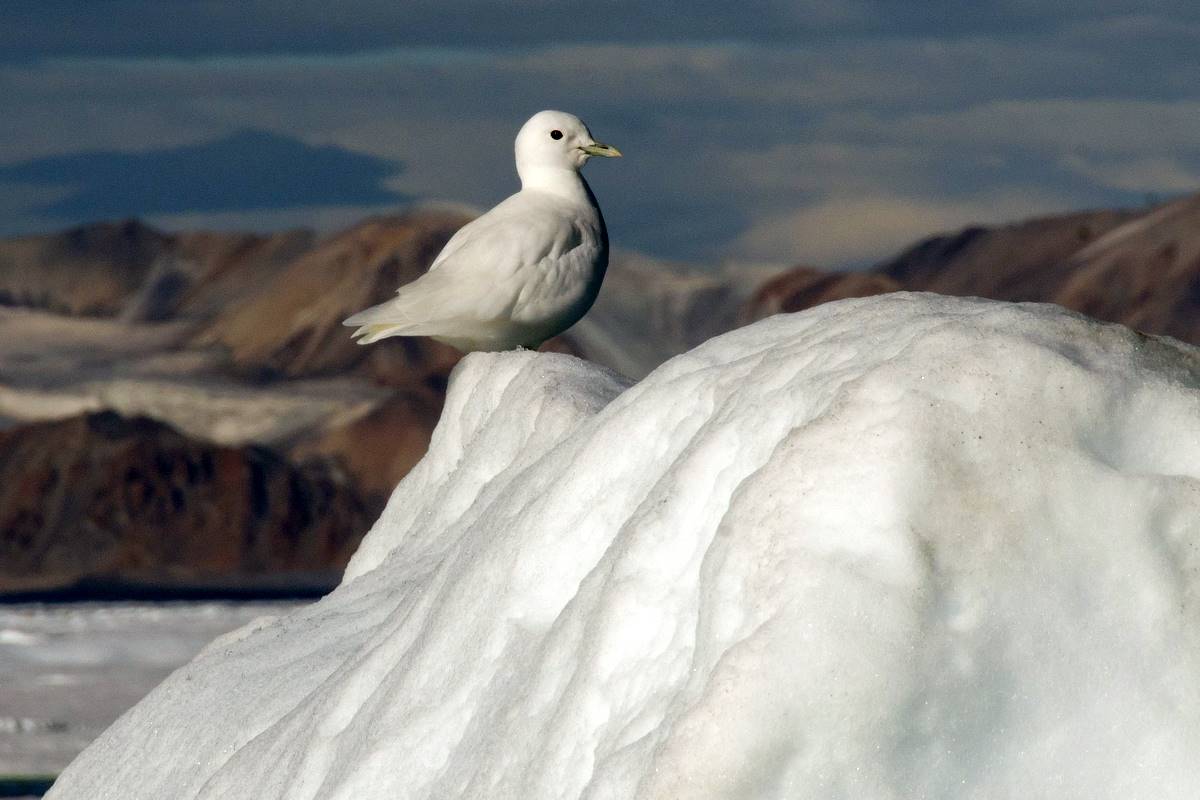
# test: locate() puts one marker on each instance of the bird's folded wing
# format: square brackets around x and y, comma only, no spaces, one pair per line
[435,298]
[525,271]
[522,230]
[558,282]
[486,276]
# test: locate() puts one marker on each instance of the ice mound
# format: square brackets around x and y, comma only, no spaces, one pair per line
[904,546]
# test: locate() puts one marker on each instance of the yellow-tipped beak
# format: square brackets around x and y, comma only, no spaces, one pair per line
[602,150]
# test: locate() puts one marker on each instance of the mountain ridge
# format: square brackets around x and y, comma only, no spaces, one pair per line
[1138,268]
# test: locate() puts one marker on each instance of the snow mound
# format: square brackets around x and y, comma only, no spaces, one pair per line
[902,546]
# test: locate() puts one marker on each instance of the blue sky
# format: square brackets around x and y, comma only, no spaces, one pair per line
[829,133]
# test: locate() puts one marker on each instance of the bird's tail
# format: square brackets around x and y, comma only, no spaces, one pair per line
[381,321]
[366,334]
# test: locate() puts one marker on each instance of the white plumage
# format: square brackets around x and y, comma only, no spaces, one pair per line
[524,271]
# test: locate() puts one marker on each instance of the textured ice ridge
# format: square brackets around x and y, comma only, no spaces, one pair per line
[904,546]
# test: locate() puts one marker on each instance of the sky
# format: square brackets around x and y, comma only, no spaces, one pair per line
[827,133]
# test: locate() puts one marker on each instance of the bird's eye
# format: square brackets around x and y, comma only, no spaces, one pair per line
[556,135]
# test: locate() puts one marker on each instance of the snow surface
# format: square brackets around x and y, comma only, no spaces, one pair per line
[903,546]
[56,366]
[68,670]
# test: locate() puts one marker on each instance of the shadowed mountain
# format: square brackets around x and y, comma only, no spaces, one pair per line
[247,170]
[1145,274]
[92,269]
[1141,268]
[1028,260]
[292,325]
[138,272]
[105,497]
[804,287]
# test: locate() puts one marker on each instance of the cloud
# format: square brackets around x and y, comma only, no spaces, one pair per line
[863,229]
[1110,125]
[1138,174]
[36,29]
[726,142]
[245,170]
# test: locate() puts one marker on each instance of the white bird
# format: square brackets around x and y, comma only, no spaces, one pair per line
[526,270]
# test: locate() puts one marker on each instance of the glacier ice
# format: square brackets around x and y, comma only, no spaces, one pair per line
[901,546]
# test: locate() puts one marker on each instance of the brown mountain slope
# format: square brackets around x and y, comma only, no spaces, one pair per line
[91,269]
[1141,269]
[380,447]
[131,270]
[103,496]
[804,287]
[292,325]
[219,267]
[1145,274]
[1024,261]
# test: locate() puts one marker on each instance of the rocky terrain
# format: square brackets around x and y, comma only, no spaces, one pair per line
[106,498]
[132,357]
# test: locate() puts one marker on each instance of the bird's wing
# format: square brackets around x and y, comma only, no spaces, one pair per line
[560,282]
[502,251]
[521,231]
[485,268]
[460,237]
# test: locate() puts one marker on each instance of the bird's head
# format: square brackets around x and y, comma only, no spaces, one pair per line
[557,140]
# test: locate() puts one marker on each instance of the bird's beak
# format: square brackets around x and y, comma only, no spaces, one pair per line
[602,150]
